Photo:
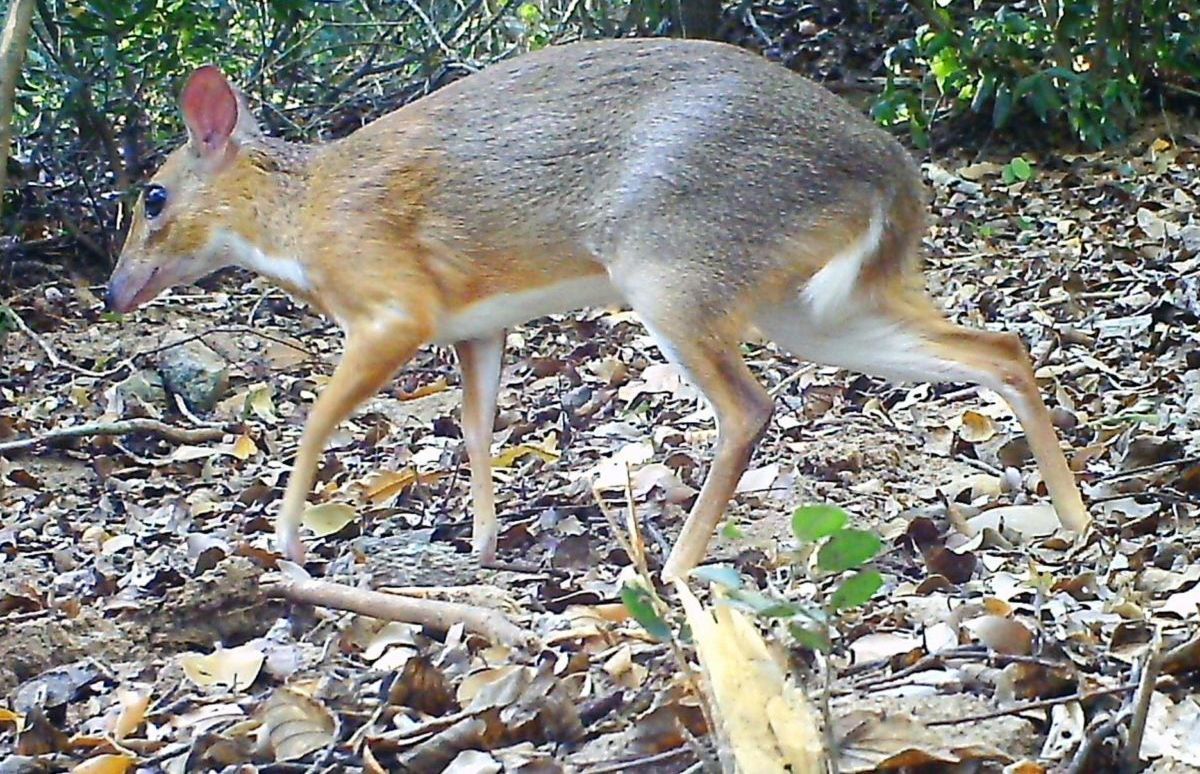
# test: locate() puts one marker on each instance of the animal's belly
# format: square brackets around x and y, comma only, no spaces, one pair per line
[502,310]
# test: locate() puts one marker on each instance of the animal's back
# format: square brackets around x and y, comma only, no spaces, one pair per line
[592,146]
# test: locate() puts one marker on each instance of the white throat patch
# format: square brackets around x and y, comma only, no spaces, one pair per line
[285,270]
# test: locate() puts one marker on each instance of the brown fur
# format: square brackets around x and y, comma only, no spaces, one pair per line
[699,183]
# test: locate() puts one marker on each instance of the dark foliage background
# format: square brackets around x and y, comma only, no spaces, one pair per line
[95,105]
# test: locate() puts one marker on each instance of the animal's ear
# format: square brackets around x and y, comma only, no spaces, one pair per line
[210,111]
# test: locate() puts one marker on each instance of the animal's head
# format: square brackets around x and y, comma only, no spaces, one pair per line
[203,199]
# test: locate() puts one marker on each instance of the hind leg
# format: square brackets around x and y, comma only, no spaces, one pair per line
[903,337]
[705,344]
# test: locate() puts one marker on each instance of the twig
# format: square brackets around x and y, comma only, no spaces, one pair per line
[791,378]
[1141,702]
[46,349]
[1079,763]
[435,614]
[182,406]
[1033,705]
[122,427]
[1148,469]
[752,23]
[629,764]
[429,25]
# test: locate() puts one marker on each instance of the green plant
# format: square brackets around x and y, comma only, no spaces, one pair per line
[841,552]
[1083,65]
[1016,171]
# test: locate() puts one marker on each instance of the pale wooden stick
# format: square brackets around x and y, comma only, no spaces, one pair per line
[436,614]
[120,427]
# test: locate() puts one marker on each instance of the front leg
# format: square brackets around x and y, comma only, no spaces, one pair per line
[479,360]
[371,358]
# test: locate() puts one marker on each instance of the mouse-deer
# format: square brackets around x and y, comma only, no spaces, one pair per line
[713,192]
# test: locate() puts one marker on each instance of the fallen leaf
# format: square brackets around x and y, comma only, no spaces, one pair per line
[976,427]
[764,715]
[328,518]
[297,724]
[133,712]
[244,447]
[105,764]
[233,668]
[1024,520]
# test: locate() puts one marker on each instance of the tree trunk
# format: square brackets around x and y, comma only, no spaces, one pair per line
[12,56]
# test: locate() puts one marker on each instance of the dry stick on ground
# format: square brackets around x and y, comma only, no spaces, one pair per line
[1141,702]
[1080,696]
[122,427]
[128,362]
[51,355]
[435,614]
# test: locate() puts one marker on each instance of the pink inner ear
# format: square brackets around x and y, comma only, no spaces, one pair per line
[209,108]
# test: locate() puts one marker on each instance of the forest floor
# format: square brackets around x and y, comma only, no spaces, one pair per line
[133,628]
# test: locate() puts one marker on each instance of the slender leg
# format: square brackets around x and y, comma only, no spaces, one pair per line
[743,408]
[479,360]
[905,339]
[369,361]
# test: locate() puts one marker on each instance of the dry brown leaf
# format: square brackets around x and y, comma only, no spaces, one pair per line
[233,668]
[437,385]
[767,720]
[474,684]
[1003,635]
[328,518]
[870,741]
[105,764]
[133,712]
[384,485]
[244,447]
[297,724]
[506,458]
[976,427]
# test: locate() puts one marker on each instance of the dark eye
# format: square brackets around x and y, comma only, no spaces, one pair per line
[156,199]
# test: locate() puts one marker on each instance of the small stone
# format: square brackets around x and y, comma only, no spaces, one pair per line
[195,373]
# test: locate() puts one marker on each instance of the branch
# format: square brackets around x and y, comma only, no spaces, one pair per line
[435,614]
[167,432]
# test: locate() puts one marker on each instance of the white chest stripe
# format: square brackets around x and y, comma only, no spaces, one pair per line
[285,270]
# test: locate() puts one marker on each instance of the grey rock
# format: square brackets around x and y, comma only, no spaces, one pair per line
[195,373]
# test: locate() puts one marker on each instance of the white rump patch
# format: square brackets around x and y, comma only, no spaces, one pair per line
[283,269]
[829,291]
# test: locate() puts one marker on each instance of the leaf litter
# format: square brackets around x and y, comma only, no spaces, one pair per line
[133,632]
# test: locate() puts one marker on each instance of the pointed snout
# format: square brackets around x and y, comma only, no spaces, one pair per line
[130,287]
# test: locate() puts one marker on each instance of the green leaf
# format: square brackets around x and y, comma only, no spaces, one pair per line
[732,531]
[721,574]
[848,549]
[640,604]
[759,603]
[856,590]
[813,639]
[810,523]
[1022,170]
